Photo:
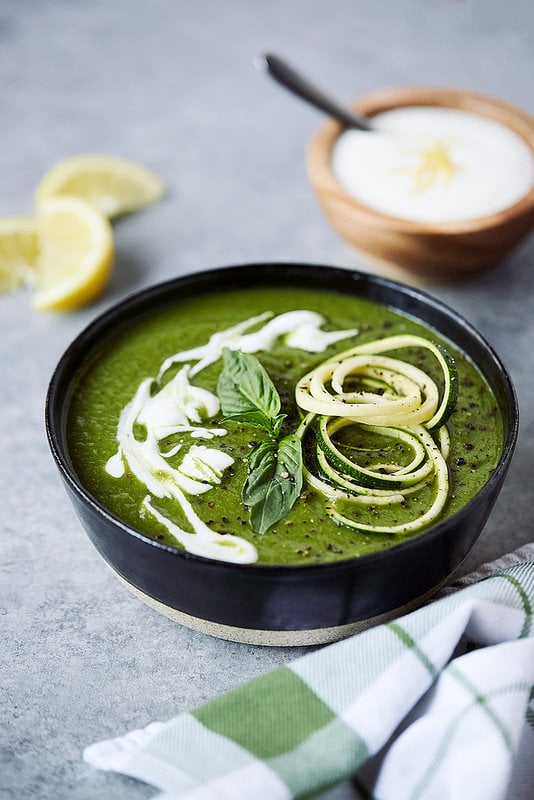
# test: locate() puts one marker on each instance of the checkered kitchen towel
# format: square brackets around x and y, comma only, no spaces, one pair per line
[432,705]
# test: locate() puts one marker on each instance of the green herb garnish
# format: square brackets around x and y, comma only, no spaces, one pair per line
[248,396]
[274,482]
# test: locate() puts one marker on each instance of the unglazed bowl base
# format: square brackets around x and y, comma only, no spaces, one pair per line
[277,638]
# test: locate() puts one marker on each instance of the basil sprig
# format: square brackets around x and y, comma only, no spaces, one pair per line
[247,394]
[274,480]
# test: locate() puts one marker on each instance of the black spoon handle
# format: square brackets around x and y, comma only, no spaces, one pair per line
[292,80]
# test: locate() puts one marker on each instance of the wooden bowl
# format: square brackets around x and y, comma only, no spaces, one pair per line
[430,250]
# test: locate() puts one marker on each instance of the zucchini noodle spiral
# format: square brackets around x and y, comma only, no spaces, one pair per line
[369,395]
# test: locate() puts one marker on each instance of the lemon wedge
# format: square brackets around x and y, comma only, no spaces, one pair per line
[113,185]
[18,252]
[76,254]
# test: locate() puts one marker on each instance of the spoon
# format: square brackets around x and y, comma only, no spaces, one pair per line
[296,83]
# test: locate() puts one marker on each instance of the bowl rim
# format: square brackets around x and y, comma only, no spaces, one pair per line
[321,174]
[109,323]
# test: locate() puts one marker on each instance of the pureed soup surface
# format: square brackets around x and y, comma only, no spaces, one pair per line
[149,440]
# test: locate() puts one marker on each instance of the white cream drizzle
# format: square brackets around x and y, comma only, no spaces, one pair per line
[181,407]
[204,541]
[301,328]
[203,463]
[144,458]
[177,405]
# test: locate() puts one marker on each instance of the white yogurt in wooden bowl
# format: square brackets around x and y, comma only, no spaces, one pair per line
[434,165]
[444,188]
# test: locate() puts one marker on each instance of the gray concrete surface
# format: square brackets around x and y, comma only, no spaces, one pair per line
[171,84]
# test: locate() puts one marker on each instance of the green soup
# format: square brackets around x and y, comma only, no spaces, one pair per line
[307,533]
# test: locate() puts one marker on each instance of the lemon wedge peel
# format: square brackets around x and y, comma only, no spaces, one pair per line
[114,185]
[18,252]
[66,251]
[76,254]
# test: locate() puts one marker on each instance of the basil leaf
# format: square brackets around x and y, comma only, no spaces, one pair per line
[254,418]
[276,425]
[274,482]
[259,420]
[244,387]
[261,467]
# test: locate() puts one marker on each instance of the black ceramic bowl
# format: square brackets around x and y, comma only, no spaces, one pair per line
[284,605]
